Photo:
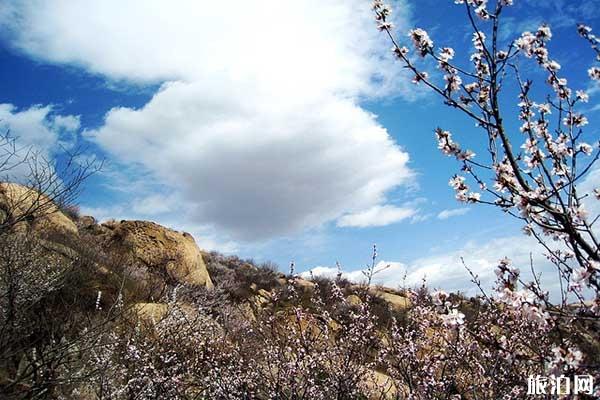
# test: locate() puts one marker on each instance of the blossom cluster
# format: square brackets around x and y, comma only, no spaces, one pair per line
[532,177]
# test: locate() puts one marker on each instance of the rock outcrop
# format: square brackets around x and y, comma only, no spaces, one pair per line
[31,211]
[158,250]
[156,312]
[396,301]
[353,300]
[151,311]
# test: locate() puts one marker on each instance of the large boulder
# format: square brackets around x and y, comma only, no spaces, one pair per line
[156,312]
[31,210]
[396,301]
[158,250]
[150,311]
[353,300]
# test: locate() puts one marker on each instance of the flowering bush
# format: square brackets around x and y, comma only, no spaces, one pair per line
[539,184]
[199,343]
[518,330]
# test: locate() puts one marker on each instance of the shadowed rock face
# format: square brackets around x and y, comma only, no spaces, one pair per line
[160,250]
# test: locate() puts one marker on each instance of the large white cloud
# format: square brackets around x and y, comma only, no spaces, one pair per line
[258,123]
[258,166]
[330,45]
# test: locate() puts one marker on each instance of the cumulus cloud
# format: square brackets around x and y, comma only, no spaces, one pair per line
[455,212]
[39,133]
[258,166]
[258,121]
[377,216]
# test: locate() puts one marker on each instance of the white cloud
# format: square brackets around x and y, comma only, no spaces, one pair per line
[258,166]
[376,216]
[154,204]
[36,128]
[455,212]
[595,108]
[33,126]
[593,88]
[68,123]
[420,218]
[294,44]
[446,270]
[259,124]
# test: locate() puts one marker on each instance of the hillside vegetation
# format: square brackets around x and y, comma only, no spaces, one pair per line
[134,310]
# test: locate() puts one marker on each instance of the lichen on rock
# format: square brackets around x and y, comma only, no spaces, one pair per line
[160,250]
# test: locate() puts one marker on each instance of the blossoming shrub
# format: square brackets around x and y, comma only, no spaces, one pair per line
[531,175]
[198,343]
[241,277]
[47,298]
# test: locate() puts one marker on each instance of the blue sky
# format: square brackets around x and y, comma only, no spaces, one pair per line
[291,138]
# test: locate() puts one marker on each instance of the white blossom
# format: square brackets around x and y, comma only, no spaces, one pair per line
[421,40]
[453,318]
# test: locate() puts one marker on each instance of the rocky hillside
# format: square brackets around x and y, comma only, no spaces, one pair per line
[134,310]
[80,274]
[156,257]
